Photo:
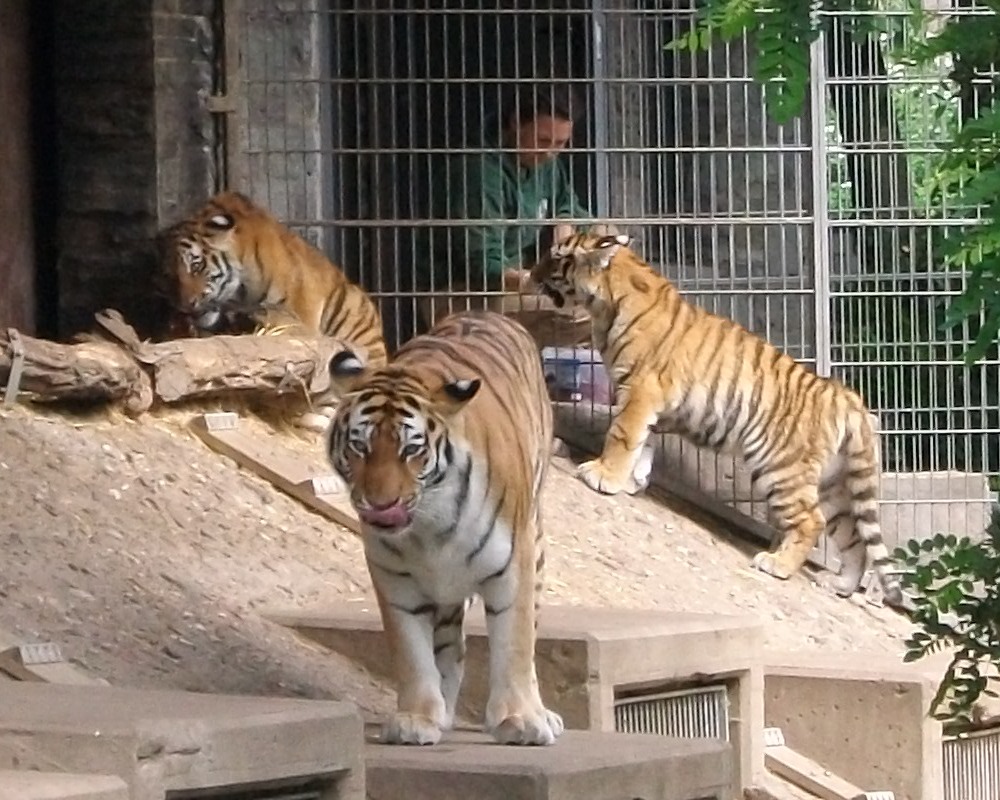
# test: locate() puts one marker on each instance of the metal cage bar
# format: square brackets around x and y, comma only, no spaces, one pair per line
[355,121]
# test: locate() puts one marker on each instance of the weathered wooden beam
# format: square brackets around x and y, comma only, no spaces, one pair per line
[117,367]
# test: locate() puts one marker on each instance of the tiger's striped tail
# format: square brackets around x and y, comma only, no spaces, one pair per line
[860,447]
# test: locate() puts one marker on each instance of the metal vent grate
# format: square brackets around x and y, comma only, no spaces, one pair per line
[701,713]
[972,766]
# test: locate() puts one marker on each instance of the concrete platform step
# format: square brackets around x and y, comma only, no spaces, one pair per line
[163,742]
[591,662]
[32,785]
[581,764]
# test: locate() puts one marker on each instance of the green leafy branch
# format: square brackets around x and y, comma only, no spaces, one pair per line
[968,179]
[957,605]
[968,176]
[784,31]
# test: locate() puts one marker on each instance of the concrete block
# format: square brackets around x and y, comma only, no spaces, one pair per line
[919,505]
[32,785]
[596,766]
[160,742]
[862,716]
[587,659]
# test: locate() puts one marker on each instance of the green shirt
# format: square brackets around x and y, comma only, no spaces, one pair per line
[520,204]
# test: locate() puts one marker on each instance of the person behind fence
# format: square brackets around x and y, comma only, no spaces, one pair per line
[513,192]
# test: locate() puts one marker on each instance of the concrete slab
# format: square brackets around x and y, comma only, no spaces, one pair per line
[39,661]
[919,505]
[586,659]
[31,785]
[597,766]
[841,709]
[171,741]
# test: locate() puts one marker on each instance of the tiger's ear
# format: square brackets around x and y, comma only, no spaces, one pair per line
[452,396]
[607,247]
[221,221]
[346,369]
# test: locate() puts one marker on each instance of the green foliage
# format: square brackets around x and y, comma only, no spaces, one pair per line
[965,180]
[890,348]
[956,584]
[969,179]
[784,31]
[969,37]
[946,111]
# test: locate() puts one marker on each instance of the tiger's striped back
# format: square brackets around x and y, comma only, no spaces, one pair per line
[445,451]
[233,257]
[808,440]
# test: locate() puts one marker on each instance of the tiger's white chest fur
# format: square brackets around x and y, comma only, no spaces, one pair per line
[455,542]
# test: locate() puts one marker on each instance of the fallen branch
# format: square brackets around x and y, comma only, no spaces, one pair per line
[117,367]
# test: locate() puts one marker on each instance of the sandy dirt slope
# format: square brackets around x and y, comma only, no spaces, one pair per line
[147,557]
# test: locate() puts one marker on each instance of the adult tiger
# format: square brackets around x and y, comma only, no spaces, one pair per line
[231,257]
[808,440]
[445,451]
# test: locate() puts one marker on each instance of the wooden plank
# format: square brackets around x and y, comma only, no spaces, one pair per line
[42,663]
[807,774]
[281,466]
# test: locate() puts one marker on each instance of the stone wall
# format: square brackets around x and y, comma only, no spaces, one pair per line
[131,81]
[284,114]
[185,47]
[17,290]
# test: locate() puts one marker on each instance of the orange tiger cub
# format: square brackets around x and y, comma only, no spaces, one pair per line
[808,441]
[231,257]
[445,452]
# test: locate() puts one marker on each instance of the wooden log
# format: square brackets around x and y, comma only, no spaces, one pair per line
[117,367]
[86,371]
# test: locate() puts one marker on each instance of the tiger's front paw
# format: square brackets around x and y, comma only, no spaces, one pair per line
[771,564]
[410,729]
[601,479]
[527,727]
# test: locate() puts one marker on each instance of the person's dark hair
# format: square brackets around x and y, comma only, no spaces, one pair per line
[527,101]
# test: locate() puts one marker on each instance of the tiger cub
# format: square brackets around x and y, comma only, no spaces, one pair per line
[808,441]
[445,451]
[231,258]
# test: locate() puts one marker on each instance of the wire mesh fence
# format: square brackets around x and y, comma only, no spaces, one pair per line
[372,127]
[886,123]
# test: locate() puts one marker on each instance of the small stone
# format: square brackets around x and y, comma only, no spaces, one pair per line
[170,653]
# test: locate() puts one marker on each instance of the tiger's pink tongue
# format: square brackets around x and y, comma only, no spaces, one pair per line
[394,516]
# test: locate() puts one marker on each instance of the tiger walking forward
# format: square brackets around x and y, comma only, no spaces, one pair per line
[445,451]
[808,441]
